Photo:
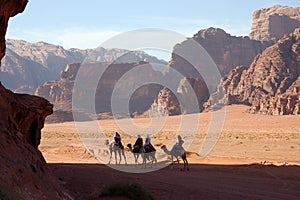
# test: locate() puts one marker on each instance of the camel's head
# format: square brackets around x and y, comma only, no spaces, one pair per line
[129,146]
[163,147]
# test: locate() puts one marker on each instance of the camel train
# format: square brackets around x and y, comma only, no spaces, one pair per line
[146,151]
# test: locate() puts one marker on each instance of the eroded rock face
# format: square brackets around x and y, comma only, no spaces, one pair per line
[22,167]
[189,97]
[166,103]
[271,84]
[26,112]
[270,24]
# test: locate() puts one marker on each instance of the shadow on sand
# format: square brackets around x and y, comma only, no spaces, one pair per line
[85,181]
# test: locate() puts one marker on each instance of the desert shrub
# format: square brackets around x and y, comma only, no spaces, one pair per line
[133,191]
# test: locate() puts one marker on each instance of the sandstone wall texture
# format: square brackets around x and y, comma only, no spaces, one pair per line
[271,84]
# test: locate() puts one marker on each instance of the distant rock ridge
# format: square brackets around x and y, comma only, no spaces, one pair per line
[271,85]
[28,65]
[270,24]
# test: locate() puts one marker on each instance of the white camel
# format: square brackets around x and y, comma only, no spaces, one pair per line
[117,150]
[177,151]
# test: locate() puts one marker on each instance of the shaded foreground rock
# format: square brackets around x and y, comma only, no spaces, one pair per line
[22,167]
[271,85]
[8,8]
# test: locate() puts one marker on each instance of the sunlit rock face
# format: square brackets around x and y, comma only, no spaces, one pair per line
[271,84]
[271,24]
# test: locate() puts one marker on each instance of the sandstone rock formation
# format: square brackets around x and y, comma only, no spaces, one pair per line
[22,167]
[182,102]
[271,84]
[166,103]
[227,51]
[60,92]
[28,65]
[270,24]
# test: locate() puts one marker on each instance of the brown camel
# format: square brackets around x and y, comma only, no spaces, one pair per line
[144,154]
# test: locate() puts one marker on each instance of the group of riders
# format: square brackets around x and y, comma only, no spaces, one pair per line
[138,145]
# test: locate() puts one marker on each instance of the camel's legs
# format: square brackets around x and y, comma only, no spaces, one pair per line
[110,151]
[136,156]
[115,156]
[119,152]
[123,153]
[185,162]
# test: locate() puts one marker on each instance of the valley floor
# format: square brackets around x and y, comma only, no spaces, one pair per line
[255,157]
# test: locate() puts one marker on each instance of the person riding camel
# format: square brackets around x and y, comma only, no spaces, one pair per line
[180,140]
[117,140]
[138,144]
[148,146]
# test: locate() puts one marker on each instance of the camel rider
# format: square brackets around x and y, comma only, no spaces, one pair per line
[180,140]
[148,146]
[138,143]
[117,139]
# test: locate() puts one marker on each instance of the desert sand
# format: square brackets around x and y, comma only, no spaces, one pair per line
[256,157]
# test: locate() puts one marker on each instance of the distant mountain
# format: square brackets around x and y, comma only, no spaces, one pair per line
[272,83]
[28,65]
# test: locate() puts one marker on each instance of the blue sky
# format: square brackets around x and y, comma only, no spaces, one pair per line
[86,24]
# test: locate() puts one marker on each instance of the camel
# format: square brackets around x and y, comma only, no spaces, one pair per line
[145,155]
[115,148]
[177,151]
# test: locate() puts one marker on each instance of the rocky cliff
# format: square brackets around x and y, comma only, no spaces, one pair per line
[271,84]
[60,92]
[227,51]
[270,24]
[22,167]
